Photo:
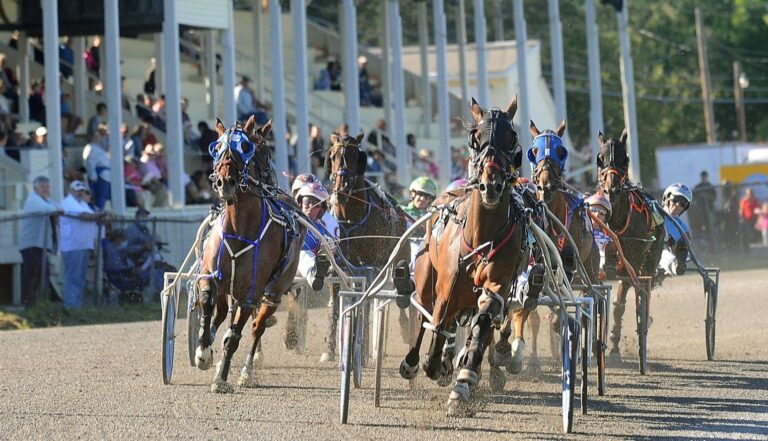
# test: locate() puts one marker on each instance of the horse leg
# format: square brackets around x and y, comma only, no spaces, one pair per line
[260,317]
[515,366]
[410,364]
[503,350]
[534,365]
[449,351]
[290,335]
[220,314]
[230,343]
[203,352]
[481,331]
[619,305]
[333,321]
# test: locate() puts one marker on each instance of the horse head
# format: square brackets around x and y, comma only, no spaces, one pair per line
[239,154]
[548,156]
[612,164]
[496,153]
[345,165]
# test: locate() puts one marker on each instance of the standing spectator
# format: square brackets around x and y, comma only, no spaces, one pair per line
[78,235]
[748,209]
[99,118]
[149,82]
[92,57]
[762,223]
[701,214]
[96,158]
[366,93]
[36,236]
[9,85]
[247,104]
[186,124]
[67,58]
[380,131]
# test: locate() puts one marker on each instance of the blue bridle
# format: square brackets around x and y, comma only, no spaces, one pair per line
[234,140]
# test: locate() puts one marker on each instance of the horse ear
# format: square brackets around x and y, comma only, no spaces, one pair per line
[624,135]
[600,160]
[532,153]
[534,130]
[560,129]
[265,129]
[334,138]
[511,108]
[362,162]
[220,129]
[600,137]
[249,125]
[359,138]
[477,111]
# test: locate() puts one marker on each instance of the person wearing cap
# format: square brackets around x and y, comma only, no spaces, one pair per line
[78,228]
[140,242]
[366,98]
[97,166]
[36,236]
[601,207]
[423,192]
[676,200]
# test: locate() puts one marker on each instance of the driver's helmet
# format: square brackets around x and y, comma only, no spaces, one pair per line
[598,199]
[424,184]
[678,190]
[301,180]
[456,184]
[314,189]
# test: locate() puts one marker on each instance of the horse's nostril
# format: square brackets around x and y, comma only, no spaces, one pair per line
[482,187]
[219,183]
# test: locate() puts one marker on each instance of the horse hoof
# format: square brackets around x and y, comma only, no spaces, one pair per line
[515,365]
[407,371]
[222,387]
[458,409]
[204,358]
[497,379]
[503,353]
[247,377]
[468,377]
[327,357]
[444,380]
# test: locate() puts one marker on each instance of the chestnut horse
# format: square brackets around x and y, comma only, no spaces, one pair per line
[475,248]
[252,251]
[634,219]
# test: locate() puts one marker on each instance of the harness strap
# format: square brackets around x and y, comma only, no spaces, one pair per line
[485,260]
[635,204]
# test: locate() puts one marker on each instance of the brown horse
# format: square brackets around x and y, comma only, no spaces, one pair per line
[252,251]
[475,248]
[634,219]
[370,221]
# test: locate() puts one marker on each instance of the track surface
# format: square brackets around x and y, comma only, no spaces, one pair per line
[105,382]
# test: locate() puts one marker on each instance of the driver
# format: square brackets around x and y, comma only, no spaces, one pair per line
[675,201]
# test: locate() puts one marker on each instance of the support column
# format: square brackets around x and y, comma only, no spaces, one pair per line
[258,46]
[174,140]
[24,77]
[112,90]
[299,15]
[521,37]
[278,92]
[628,90]
[461,35]
[444,135]
[426,86]
[53,96]
[480,39]
[210,72]
[349,67]
[558,70]
[229,114]
[595,86]
[398,94]
[80,75]
[386,66]
[159,64]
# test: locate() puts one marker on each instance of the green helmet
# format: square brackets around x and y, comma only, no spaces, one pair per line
[424,184]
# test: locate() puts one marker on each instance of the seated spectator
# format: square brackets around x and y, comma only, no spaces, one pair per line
[67,58]
[69,121]
[198,189]
[36,103]
[152,179]
[247,104]
[330,77]
[141,247]
[366,91]
[98,119]
[119,269]
[426,164]
[11,91]
[144,107]
[133,189]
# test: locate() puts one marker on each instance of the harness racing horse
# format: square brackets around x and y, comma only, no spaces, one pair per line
[475,245]
[252,251]
[370,221]
[634,219]
[547,157]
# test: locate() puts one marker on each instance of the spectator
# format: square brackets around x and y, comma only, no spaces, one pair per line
[92,58]
[427,164]
[141,246]
[96,158]
[67,58]
[247,104]
[317,143]
[366,91]
[198,189]
[133,190]
[748,209]
[36,236]
[78,235]
[69,121]
[149,82]
[125,102]
[188,132]
[119,269]
[8,86]
[207,136]
[152,178]
[36,103]
[330,77]
[380,131]
[4,150]
[144,107]
[701,214]
[762,223]
[99,118]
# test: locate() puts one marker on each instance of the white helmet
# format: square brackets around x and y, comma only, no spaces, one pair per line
[601,200]
[314,189]
[678,189]
[301,180]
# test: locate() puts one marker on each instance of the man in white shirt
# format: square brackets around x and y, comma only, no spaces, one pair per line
[79,229]
[36,235]
[96,157]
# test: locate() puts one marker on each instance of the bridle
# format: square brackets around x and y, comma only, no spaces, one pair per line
[350,178]
[612,169]
[235,149]
[486,151]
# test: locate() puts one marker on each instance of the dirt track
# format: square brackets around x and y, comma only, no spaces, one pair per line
[105,382]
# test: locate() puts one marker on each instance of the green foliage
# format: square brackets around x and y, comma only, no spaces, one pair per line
[47,314]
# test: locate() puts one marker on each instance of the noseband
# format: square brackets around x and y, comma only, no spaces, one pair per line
[235,149]
[612,168]
[489,155]
[344,171]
